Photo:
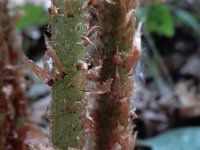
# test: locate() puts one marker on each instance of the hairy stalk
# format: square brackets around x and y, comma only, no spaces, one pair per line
[12,86]
[116,53]
[67,25]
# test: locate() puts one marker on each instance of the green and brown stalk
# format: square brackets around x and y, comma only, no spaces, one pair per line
[13,109]
[67,26]
[108,120]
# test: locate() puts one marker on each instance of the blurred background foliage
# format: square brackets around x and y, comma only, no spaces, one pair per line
[167,94]
[162,18]
[31,15]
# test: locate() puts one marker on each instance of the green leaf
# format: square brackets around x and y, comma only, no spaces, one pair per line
[33,15]
[188,19]
[158,19]
[178,139]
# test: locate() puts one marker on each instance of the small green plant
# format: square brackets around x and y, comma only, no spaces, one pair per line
[67,25]
[31,15]
[158,18]
[162,18]
[13,108]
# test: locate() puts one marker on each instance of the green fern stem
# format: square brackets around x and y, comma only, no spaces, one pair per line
[67,25]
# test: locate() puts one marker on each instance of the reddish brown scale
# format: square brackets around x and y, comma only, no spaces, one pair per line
[101,89]
[81,65]
[73,109]
[68,8]
[93,74]
[51,53]
[53,10]
[86,41]
[116,59]
[131,59]
[45,75]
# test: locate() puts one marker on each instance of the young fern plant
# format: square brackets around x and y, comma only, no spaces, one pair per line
[66,49]
[67,25]
[16,131]
[117,48]
[13,108]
